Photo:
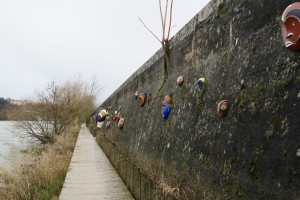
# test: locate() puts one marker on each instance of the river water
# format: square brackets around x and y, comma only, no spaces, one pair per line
[9,141]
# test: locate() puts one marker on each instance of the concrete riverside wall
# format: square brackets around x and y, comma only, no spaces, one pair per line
[195,154]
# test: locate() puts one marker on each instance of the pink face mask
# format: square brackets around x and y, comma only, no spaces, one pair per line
[290,26]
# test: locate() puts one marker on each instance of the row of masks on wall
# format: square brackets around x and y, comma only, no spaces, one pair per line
[290,31]
[103,116]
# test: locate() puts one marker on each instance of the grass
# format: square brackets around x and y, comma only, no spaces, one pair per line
[281,83]
[259,89]
[39,172]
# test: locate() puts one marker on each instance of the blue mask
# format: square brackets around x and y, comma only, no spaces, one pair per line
[99,118]
[165,111]
[108,124]
[200,85]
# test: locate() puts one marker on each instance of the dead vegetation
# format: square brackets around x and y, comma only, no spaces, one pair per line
[51,121]
[54,109]
[38,172]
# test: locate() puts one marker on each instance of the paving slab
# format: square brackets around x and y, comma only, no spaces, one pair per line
[91,175]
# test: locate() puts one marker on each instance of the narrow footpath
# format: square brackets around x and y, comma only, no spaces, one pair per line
[91,175]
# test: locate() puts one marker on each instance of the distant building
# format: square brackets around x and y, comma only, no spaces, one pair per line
[18,102]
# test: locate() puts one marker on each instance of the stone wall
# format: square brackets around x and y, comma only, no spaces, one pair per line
[194,154]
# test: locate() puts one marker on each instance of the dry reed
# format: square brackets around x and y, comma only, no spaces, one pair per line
[38,172]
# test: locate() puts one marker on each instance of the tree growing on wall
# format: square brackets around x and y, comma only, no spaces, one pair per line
[56,109]
[166,22]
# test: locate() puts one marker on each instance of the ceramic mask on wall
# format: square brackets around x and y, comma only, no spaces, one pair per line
[180,80]
[166,109]
[201,82]
[168,100]
[101,116]
[136,94]
[223,108]
[121,123]
[108,124]
[142,98]
[117,117]
[99,124]
[290,27]
[148,98]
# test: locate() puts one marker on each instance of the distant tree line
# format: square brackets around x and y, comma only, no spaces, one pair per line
[4,104]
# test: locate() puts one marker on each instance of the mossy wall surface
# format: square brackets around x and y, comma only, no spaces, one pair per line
[250,154]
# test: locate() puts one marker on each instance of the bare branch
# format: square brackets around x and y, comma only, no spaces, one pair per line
[161,16]
[165,19]
[170,22]
[150,31]
[57,108]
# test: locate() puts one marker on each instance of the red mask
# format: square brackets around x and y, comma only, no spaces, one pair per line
[290,26]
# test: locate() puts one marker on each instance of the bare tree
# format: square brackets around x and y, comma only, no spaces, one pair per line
[166,22]
[56,109]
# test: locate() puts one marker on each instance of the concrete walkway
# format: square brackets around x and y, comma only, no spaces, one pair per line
[90,174]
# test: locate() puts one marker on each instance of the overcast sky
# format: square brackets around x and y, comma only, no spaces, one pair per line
[45,40]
